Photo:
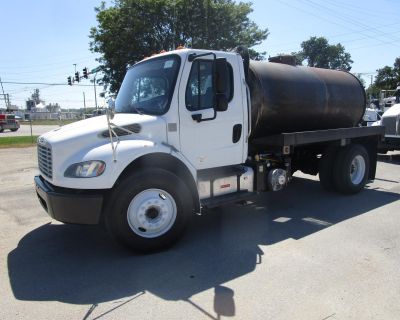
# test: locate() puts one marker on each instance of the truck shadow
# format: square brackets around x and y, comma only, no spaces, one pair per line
[390,158]
[79,265]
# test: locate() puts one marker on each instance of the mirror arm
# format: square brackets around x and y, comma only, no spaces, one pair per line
[199,118]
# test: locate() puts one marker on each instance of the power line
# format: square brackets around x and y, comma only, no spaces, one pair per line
[330,21]
[50,84]
[347,19]
[344,34]
[63,62]
[376,13]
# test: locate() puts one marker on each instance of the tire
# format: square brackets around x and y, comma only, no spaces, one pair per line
[149,210]
[351,169]
[13,130]
[1,129]
[325,168]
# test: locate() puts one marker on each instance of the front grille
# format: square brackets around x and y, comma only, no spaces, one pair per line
[390,125]
[45,160]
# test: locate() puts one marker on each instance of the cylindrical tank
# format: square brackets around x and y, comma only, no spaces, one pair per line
[287,98]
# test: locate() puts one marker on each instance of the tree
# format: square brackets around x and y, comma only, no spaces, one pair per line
[130,30]
[317,52]
[372,91]
[388,77]
[359,77]
[53,107]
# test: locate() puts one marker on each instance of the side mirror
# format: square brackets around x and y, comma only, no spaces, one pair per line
[111,108]
[221,75]
[221,102]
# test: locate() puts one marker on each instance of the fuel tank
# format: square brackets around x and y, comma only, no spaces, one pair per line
[288,98]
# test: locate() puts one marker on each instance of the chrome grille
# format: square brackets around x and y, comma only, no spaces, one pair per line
[390,125]
[45,159]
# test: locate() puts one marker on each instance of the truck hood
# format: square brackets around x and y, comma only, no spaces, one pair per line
[393,111]
[95,130]
[73,143]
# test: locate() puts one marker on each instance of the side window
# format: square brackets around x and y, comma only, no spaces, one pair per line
[199,91]
[229,87]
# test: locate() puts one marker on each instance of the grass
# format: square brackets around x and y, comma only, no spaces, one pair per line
[18,142]
[48,122]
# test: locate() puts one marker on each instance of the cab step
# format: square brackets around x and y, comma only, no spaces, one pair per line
[227,199]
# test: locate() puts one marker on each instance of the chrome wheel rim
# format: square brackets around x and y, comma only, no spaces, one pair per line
[151,213]
[357,170]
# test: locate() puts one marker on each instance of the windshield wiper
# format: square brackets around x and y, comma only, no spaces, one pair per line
[137,110]
[131,106]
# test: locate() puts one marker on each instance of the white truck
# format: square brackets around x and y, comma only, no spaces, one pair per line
[195,129]
[391,121]
[8,121]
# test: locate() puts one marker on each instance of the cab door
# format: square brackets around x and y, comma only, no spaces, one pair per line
[210,142]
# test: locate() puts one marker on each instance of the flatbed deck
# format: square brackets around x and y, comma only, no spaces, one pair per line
[308,137]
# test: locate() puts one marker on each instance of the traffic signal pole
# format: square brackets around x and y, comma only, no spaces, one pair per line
[95,93]
[85,75]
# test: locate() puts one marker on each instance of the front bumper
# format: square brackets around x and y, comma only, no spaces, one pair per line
[391,143]
[69,205]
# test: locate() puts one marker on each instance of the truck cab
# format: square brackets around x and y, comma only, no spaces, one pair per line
[391,121]
[166,120]
[8,121]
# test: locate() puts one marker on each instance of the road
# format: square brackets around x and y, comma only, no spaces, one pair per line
[25,130]
[301,253]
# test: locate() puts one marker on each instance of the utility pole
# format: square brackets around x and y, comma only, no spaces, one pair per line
[95,93]
[95,71]
[5,96]
[84,105]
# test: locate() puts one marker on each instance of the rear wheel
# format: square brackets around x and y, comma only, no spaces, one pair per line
[13,130]
[1,129]
[149,210]
[351,169]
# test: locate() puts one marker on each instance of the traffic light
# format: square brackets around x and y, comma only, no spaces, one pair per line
[77,76]
[69,81]
[85,73]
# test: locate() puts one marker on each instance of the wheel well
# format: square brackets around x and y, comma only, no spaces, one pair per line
[169,163]
[371,145]
[305,158]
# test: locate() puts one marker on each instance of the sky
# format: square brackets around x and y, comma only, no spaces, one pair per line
[43,39]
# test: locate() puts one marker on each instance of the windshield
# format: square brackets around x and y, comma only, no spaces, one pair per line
[148,86]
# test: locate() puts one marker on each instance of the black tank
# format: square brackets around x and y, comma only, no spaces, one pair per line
[287,98]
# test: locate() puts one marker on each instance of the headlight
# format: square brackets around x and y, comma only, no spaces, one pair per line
[87,169]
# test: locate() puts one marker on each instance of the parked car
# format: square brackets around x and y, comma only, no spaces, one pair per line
[8,121]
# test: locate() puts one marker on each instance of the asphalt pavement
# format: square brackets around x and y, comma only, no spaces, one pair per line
[25,130]
[301,253]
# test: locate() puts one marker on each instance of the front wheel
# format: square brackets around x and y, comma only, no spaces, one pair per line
[350,173]
[149,210]
[14,129]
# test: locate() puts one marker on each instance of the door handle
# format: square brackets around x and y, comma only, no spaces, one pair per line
[236,133]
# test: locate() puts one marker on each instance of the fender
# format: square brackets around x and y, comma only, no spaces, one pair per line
[171,163]
[130,155]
